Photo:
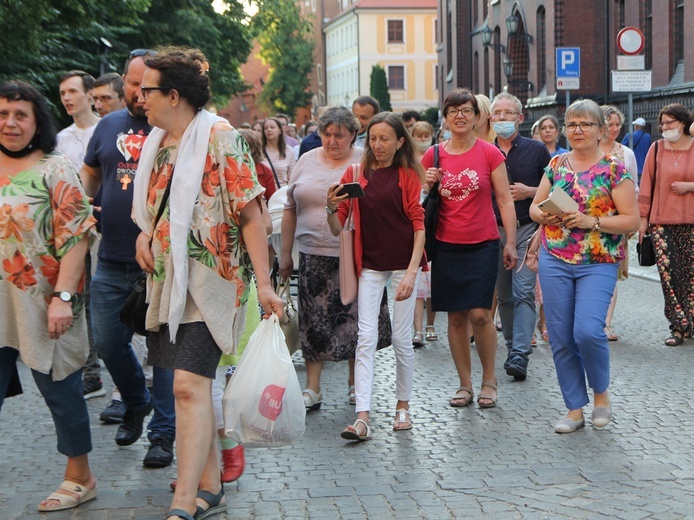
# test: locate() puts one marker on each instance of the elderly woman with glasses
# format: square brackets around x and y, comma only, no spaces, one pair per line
[579,257]
[201,254]
[666,205]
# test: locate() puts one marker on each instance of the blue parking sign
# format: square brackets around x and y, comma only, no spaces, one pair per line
[568,62]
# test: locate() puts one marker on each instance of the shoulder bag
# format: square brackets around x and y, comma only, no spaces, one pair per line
[644,249]
[348,267]
[431,211]
[134,311]
[290,321]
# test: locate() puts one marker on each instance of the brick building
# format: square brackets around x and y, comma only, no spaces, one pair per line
[495,45]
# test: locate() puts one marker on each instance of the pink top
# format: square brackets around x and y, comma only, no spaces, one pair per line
[409,184]
[668,207]
[466,215]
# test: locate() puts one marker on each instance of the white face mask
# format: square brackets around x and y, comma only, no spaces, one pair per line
[504,129]
[447,134]
[672,135]
[422,146]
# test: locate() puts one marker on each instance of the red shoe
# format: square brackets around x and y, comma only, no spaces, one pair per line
[233,463]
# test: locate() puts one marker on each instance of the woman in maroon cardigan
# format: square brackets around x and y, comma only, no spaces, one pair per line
[389,246]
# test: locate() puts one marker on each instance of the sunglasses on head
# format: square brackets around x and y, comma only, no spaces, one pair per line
[137,53]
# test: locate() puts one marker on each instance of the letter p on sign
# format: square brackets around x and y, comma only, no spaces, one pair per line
[568,62]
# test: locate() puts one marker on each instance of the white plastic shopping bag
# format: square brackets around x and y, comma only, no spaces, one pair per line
[263,405]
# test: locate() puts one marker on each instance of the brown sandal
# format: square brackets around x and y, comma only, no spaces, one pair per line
[493,399]
[461,401]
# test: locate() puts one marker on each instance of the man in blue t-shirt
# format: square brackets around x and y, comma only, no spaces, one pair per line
[110,165]
[642,143]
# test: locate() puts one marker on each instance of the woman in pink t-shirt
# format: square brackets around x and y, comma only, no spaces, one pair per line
[466,247]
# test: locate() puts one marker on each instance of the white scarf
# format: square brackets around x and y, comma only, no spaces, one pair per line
[188,170]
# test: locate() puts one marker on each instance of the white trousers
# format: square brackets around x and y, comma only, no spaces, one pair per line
[371,285]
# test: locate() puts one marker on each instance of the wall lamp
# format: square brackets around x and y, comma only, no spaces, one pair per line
[512,23]
[487,34]
[508,68]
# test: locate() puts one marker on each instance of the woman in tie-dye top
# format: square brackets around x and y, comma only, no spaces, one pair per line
[579,260]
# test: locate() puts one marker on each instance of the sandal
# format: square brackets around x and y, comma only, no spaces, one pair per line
[431,333]
[351,433]
[180,513]
[493,399]
[403,420]
[418,340]
[611,336]
[543,333]
[312,400]
[676,338]
[533,342]
[68,501]
[214,502]
[461,401]
[352,394]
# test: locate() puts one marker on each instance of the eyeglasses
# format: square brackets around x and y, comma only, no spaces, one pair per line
[455,112]
[585,126]
[504,114]
[147,90]
[138,53]
[105,99]
[664,123]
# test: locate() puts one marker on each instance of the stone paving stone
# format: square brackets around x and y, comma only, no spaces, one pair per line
[501,463]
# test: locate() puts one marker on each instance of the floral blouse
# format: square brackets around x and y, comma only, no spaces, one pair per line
[219,265]
[44,213]
[592,189]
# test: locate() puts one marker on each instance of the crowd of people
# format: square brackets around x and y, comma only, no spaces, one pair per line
[89,211]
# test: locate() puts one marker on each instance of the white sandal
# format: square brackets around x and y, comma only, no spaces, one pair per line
[312,400]
[402,416]
[352,434]
[352,395]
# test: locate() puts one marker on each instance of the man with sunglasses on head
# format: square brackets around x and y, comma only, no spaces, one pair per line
[525,163]
[110,166]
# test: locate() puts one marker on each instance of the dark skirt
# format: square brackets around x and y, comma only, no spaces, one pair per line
[194,351]
[463,276]
[328,329]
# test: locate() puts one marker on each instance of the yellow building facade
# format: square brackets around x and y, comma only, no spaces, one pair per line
[400,36]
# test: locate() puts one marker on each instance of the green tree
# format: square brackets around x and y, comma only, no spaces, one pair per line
[431,116]
[286,43]
[225,38]
[378,87]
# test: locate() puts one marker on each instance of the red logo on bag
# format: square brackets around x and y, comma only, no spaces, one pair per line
[270,405]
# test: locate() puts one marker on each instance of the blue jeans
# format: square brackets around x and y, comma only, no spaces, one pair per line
[576,299]
[65,401]
[163,422]
[516,296]
[110,287]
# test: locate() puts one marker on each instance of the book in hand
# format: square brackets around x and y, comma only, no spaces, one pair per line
[558,202]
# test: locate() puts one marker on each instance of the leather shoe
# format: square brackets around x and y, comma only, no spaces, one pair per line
[601,416]
[233,463]
[518,368]
[568,425]
[131,428]
[160,453]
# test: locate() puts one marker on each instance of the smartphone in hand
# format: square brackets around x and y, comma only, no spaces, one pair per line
[352,189]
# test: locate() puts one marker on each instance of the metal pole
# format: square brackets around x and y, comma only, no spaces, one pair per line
[568,103]
[631,119]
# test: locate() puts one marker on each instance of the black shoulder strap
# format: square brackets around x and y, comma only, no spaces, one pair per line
[655,169]
[436,156]
[277,180]
[162,207]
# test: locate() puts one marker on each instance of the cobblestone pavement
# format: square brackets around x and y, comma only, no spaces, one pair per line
[500,463]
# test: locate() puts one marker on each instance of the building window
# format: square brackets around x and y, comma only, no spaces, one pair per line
[436,76]
[497,62]
[396,77]
[541,48]
[648,34]
[679,31]
[476,72]
[395,31]
[620,15]
[319,73]
[449,43]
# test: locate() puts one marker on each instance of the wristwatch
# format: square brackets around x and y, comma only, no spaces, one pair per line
[330,211]
[65,296]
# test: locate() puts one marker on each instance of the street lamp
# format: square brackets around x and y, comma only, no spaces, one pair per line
[487,34]
[512,23]
[508,68]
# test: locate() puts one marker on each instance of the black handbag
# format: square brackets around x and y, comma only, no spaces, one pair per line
[431,211]
[644,249]
[133,314]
